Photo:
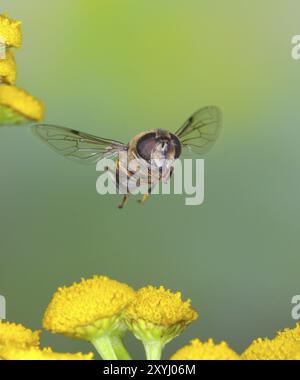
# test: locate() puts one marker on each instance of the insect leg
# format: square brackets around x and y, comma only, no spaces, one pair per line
[124,201]
[144,198]
[147,195]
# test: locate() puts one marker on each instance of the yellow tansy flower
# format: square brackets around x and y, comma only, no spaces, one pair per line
[161,307]
[16,334]
[91,310]
[8,68]
[291,334]
[33,353]
[10,31]
[85,303]
[156,316]
[209,350]
[272,349]
[17,106]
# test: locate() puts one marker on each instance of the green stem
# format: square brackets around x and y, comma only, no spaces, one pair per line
[105,348]
[153,350]
[119,348]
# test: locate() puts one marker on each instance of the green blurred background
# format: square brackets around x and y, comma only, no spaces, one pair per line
[115,68]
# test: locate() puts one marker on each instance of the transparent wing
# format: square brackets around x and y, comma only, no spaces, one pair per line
[79,146]
[201,130]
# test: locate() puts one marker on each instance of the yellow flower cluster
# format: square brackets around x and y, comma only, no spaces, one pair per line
[198,350]
[100,310]
[292,335]
[270,349]
[285,346]
[8,68]
[17,335]
[16,106]
[34,353]
[10,32]
[18,100]
[20,343]
[156,316]
[85,303]
[160,307]
[10,37]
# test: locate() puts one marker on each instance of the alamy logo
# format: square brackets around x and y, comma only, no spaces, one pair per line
[2,48]
[296,309]
[2,308]
[296,47]
[138,176]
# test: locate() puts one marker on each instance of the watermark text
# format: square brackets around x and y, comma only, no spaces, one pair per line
[137,176]
[2,308]
[296,308]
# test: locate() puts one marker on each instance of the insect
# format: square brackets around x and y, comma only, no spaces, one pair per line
[197,134]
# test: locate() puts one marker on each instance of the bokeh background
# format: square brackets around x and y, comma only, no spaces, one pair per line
[115,68]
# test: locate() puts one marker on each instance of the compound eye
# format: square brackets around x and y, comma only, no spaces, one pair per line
[145,145]
[177,145]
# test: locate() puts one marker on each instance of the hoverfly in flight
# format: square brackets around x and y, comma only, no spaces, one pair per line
[197,134]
